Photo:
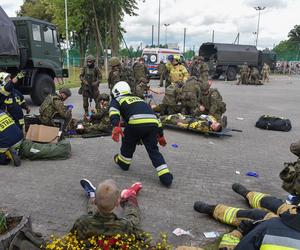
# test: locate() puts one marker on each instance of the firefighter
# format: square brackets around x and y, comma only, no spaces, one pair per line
[141,125]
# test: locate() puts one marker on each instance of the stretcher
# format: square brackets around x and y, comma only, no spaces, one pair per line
[224,132]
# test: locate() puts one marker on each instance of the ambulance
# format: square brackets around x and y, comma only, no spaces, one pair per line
[153,56]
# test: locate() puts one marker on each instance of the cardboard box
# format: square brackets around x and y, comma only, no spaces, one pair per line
[41,133]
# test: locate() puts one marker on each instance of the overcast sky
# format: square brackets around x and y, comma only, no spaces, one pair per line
[200,17]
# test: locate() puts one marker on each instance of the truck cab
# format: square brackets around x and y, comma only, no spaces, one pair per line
[38,56]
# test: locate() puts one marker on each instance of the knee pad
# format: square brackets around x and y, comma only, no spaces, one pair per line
[166,179]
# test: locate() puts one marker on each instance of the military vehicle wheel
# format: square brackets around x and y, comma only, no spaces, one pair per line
[231,74]
[44,85]
[216,76]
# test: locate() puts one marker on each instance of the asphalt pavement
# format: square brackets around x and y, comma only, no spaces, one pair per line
[204,168]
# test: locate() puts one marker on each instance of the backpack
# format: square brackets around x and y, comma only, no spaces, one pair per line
[274,123]
[290,176]
[26,239]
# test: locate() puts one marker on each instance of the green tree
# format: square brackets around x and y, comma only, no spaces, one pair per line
[36,8]
[294,34]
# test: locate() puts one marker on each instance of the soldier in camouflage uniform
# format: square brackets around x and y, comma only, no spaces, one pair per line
[170,101]
[195,69]
[211,103]
[142,88]
[190,94]
[99,120]
[101,219]
[244,74]
[90,78]
[203,70]
[140,71]
[120,73]
[53,108]
[254,77]
[162,72]
[204,123]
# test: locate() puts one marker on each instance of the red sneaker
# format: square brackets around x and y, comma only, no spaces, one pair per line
[132,191]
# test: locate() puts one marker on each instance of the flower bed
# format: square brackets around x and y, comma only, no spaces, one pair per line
[116,242]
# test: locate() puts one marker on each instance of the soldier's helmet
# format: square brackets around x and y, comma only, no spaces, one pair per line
[66,91]
[170,58]
[90,58]
[204,86]
[104,97]
[114,61]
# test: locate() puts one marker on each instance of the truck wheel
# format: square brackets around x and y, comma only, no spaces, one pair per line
[231,74]
[216,76]
[43,86]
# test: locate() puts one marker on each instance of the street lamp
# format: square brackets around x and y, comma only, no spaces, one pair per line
[166,34]
[158,28]
[67,33]
[259,8]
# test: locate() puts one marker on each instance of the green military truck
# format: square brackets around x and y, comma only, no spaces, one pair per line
[225,59]
[31,46]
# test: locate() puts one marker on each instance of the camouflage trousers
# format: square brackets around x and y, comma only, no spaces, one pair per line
[263,206]
[243,78]
[161,80]
[95,128]
[86,101]
[265,76]
[166,109]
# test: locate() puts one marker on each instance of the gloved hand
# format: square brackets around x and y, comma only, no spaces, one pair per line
[117,131]
[20,75]
[161,140]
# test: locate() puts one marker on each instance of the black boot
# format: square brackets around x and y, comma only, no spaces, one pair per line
[204,208]
[240,189]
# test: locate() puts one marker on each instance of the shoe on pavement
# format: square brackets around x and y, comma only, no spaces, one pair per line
[88,188]
[14,156]
[204,208]
[240,189]
[132,191]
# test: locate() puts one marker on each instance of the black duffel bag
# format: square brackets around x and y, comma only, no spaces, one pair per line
[274,123]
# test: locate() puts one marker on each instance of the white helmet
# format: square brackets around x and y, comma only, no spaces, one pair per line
[121,88]
[3,76]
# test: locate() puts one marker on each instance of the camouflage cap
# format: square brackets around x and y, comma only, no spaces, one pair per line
[114,61]
[204,86]
[66,91]
[104,97]
[107,195]
[90,58]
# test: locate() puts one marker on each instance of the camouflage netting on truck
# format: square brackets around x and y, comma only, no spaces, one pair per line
[8,37]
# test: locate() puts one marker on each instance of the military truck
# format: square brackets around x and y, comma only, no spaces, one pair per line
[225,59]
[31,46]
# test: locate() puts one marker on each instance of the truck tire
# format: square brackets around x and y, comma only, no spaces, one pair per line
[216,76]
[231,73]
[43,86]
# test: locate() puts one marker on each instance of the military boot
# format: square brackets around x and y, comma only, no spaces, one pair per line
[204,208]
[240,189]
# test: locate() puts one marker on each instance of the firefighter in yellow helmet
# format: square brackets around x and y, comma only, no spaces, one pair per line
[177,72]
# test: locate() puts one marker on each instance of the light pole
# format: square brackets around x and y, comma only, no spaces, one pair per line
[166,34]
[259,8]
[67,33]
[158,28]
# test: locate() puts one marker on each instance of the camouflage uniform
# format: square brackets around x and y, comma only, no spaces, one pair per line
[99,122]
[244,75]
[266,72]
[162,72]
[195,69]
[121,73]
[190,95]
[90,225]
[140,71]
[254,76]
[169,103]
[213,104]
[200,123]
[53,108]
[142,88]
[203,71]
[168,66]
[90,91]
